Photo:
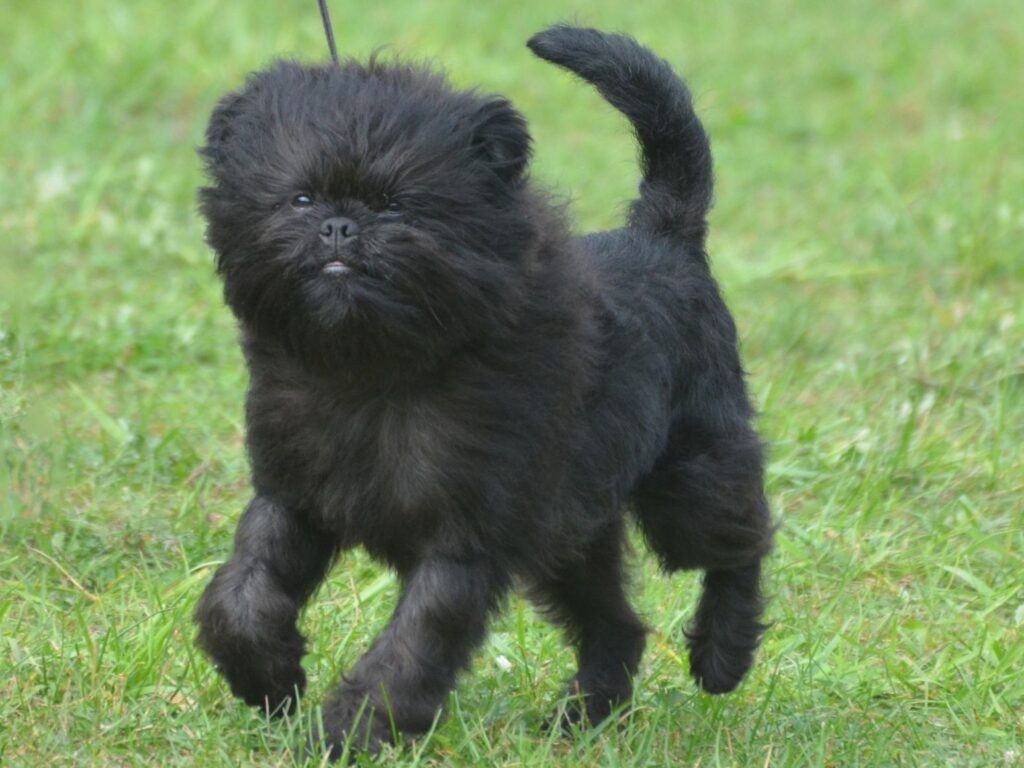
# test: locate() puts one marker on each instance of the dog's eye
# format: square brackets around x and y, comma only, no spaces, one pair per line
[302,200]
[390,205]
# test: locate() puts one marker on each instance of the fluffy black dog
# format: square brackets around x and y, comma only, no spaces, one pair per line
[441,374]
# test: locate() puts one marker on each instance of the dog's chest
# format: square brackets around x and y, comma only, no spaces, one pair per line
[360,462]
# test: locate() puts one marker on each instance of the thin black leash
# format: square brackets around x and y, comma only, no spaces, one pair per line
[329,30]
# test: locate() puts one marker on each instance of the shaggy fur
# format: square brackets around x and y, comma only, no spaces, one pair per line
[442,375]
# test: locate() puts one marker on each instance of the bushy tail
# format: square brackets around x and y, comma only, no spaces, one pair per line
[676,190]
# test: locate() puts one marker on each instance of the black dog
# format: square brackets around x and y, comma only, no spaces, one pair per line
[441,374]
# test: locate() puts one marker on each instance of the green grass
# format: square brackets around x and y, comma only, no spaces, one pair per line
[868,234]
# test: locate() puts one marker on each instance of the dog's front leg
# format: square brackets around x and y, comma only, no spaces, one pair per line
[247,614]
[405,677]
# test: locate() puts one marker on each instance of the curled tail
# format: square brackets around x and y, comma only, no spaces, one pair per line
[676,190]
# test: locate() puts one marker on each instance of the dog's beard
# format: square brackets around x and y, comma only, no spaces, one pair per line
[396,293]
[384,281]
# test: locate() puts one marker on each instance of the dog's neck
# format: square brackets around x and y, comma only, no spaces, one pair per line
[359,370]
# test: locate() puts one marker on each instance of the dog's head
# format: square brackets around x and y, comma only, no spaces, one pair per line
[366,207]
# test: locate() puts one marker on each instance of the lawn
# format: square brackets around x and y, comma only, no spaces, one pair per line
[868,235]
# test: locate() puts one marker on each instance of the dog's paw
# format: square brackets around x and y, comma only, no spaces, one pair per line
[583,708]
[353,725]
[272,685]
[253,643]
[718,667]
[265,672]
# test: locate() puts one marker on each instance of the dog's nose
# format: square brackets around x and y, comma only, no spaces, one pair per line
[338,228]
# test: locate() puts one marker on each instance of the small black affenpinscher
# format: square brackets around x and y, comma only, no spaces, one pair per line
[441,374]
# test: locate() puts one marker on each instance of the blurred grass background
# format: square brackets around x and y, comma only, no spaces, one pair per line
[868,235]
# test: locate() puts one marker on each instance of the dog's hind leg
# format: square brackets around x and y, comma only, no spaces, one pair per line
[703,507]
[248,612]
[588,599]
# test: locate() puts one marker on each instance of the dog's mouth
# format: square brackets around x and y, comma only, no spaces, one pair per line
[335,268]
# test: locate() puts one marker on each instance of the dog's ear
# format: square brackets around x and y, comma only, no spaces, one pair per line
[501,139]
[222,124]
